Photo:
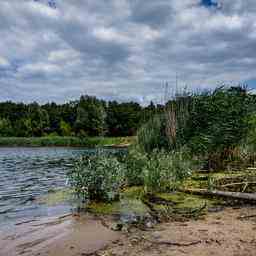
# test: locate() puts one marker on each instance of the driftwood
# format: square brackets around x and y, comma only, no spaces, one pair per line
[234,195]
[238,183]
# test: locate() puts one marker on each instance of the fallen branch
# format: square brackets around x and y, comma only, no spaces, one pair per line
[174,243]
[238,183]
[234,195]
[191,212]
[246,216]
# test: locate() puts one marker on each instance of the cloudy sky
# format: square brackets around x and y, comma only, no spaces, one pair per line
[123,49]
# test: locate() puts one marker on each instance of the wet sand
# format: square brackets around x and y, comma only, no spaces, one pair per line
[231,232]
[58,236]
[218,234]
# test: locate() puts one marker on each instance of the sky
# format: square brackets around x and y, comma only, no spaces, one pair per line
[124,50]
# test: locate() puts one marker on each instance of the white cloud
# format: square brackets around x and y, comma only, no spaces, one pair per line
[38,8]
[63,55]
[38,68]
[4,62]
[122,49]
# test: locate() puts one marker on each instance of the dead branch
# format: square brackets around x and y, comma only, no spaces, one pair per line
[237,183]
[246,216]
[234,195]
[174,243]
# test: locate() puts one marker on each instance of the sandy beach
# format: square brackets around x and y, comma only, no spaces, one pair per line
[229,232]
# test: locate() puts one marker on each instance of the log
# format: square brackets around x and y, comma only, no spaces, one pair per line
[234,195]
[237,183]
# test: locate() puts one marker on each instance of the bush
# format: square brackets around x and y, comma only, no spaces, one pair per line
[165,171]
[97,178]
[135,162]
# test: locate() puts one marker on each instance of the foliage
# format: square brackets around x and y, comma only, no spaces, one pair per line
[135,162]
[87,116]
[65,128]
[90,116]
[97,178]
[123,118]
[211,125]
[221,117]
[152,135]
[5,127]
[165,171]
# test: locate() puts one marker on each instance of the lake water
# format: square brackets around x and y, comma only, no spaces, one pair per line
[28,173]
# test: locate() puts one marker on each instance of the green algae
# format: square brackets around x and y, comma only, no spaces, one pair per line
[130,203]
[183,200]
[103,208]
[57,197]
[133,192]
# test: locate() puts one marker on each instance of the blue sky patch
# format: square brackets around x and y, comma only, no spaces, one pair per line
[209,3]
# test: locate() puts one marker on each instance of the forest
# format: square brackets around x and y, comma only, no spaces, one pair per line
[87,116]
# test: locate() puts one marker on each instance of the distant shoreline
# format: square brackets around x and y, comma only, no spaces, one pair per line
[58,141]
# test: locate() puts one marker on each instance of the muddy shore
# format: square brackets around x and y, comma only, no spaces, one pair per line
[228,232]
[58,236]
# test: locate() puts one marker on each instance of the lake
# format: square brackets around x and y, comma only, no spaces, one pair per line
[27,174]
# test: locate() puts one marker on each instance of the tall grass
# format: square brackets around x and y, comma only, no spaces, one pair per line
[166,130]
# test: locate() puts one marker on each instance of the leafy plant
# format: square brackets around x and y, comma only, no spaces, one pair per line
[165,171]
[97,178]
[135,162]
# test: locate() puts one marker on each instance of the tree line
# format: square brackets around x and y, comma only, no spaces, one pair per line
[88,116]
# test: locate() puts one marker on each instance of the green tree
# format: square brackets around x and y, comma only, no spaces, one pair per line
[5,128]
[39,119]
[123,119]
[65,128]
[91,116]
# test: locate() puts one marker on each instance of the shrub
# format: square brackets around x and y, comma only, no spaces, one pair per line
[135,162]
[165,171]
[97,178]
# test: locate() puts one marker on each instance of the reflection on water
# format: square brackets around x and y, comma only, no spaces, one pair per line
[26,173]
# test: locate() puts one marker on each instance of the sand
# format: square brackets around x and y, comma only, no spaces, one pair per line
[221,233]
[58,236]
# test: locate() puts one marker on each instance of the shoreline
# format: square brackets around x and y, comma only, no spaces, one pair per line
[71,234]
[72,142]
[226,232]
